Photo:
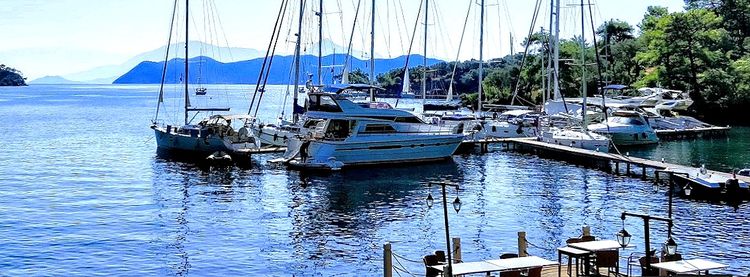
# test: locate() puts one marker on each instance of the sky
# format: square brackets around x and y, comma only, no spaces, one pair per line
[42,37]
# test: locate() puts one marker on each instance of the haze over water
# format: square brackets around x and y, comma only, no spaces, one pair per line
[83,192]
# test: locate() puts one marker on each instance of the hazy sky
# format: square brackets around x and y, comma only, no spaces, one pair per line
[42,37]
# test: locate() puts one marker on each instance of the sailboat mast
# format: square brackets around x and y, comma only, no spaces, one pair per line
[372,53]
[424,60]
[186,79]
[583,64]
[320,42]
[548,69]
[557,51]
[481,54]
[296,62]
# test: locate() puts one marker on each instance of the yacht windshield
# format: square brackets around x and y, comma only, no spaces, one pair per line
[627,120]
[323,103]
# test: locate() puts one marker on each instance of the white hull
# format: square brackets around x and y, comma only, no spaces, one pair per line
[171,141]
[495,129]
[630,137]
[573,138]
[272,135]
[337,154]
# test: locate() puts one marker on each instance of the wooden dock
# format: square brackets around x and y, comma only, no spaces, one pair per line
[707,132]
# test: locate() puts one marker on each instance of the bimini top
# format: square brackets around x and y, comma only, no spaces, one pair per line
[338,88]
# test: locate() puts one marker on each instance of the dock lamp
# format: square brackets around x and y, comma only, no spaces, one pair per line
[457,207]
[671,246]
[623,237]
[688,190]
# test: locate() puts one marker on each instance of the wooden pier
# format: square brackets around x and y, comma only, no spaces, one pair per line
[707,132]
[617,163]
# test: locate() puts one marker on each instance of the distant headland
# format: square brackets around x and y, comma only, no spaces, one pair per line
[11,77]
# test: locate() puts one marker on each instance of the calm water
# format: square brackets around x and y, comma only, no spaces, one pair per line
[82,193]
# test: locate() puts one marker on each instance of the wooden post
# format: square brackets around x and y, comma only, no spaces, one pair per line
[387,260]
[522,244]
[617,168]
[644,171]
[628,169]
[456,250]
[586,230]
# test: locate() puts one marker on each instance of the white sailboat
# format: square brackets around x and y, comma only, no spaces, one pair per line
[579,137]
[217,133]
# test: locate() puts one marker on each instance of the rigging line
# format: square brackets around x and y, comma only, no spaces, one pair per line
[270,62]
[351,38]
[164,69]
[413,34]
[526,49]
[223,33]
[460,43]
[599,86]
[274,37]
[398,24]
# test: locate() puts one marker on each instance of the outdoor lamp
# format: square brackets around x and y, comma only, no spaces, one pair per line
[623,238]
[688,190]
[457,204]
[671,246]
[430,200]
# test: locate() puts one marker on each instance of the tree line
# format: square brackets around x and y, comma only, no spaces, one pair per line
[11,77]
[704,50]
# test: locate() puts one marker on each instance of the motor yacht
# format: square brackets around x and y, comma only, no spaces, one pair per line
[626,128]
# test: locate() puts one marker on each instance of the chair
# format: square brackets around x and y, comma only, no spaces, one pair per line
[587,238]
[440,254]
[648,271]
[608,259]
[508,256]
[429,261]
[534,272]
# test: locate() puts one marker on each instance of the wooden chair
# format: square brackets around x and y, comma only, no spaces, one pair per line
[570,258]
[534,272]
[648,271]
[508,255]
[587,238]
[429,261]
[440,254]
[608,259]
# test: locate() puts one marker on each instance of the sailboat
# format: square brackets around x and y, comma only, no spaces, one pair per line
[406,86]
[573,136]
[210,136]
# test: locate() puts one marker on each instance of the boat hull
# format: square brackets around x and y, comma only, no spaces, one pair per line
[577,139]
[338,154]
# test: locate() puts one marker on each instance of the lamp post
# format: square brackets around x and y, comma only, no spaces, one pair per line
[457,207]
[624,238]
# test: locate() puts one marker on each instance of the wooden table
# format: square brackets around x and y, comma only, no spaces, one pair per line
[687,266]
[497,265]
[593,246]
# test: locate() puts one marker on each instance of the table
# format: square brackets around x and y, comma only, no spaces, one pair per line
[497,265]
[687,266]
[470,268]
[594,246]
[572,253]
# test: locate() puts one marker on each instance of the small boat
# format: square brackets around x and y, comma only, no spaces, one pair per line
[511,124]
[744,172]
[626,128]
[707,185]
[575,138]
[200,91]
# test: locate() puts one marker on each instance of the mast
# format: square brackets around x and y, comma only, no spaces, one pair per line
[186,79]
[548,69]
[481,57]
[372,53]
[583,65]
[296,61]
[557,51]
[424,59]
[320,42]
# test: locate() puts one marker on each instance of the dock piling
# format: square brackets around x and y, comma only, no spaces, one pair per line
[387,260]
[456,250]
[586,230]
[522,244]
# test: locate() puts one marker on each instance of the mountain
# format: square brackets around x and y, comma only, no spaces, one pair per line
[246,72]
[108,73]
[49,80]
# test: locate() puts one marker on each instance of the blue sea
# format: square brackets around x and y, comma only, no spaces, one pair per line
[82,192]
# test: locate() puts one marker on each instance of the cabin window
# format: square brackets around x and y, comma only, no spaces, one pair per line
[311,123]
[408,119]
[339,129]
[379,128]
[323,103]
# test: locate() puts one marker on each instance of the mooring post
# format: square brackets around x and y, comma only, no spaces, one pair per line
[387,260]
[644,171]
[586,230]
[456,250]
[522,244]
[617,168]
[628,169]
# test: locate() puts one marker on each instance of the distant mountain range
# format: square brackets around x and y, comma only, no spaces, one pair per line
[212,71]
[108,73]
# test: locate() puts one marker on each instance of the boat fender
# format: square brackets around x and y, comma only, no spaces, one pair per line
[460,128]
[519,130]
